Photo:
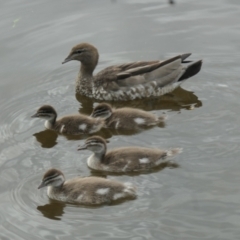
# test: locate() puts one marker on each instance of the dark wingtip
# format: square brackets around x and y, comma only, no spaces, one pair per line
[185,56]
[192,70]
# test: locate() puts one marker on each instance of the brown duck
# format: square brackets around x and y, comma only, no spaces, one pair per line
[126,159]
[87,190]
[71,124]
[125,118]
[135,80]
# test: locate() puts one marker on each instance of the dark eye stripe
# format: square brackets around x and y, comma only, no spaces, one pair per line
[44,114]
[100,111]
[44,111]
[51,177]
[49,181]
[79,51]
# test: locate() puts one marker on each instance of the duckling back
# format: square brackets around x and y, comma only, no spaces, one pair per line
[124,159]
[130,159]
[130,118]
[92,190]
[78,124]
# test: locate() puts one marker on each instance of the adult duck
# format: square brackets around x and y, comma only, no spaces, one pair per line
[129,81]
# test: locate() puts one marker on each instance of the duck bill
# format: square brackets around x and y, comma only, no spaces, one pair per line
[42,184]
[66,60]
[83,147]
[35,115]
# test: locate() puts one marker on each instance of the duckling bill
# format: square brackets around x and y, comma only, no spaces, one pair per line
[87,190]
[71,124]
[125,159]
[135,80]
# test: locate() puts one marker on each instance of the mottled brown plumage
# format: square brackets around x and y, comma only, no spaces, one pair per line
[125,118]
[129,81]
[125,159]
[88,190]
[71,124]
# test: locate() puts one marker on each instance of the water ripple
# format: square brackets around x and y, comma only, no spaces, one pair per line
[199,199]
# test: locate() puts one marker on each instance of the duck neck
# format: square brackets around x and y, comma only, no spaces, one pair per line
[52,190]
[84,82]
[50,123]
[99,156]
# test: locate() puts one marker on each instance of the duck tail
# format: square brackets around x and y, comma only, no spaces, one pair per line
[192,69]
[130,190]
[172,152]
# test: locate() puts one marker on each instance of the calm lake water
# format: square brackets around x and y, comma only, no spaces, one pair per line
[199,199]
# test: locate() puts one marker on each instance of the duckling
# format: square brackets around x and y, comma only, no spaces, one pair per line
[72,124]
[87,190]
[125,118]
[125,159]
[135,80]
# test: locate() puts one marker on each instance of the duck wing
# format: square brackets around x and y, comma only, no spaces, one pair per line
[136,73]
[138,68]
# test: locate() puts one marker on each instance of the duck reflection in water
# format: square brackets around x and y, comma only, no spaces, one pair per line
[46,138]
[174,101]
[53,210]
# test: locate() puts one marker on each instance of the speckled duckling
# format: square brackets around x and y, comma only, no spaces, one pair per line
[71,124]
[126,118]
[135,80]
[126,159]
[87,190]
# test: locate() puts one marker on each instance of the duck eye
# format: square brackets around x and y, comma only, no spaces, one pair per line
[79,51]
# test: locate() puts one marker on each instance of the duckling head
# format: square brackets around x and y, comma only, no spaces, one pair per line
[53,177]
[46,112]
[95,144]
[102,110]
[86,53]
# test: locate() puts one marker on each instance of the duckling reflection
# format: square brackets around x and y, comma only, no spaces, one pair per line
[46,138]
[85,190]
[53,210]
[125,159]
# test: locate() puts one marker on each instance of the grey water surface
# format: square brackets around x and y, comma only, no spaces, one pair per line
[199,199]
